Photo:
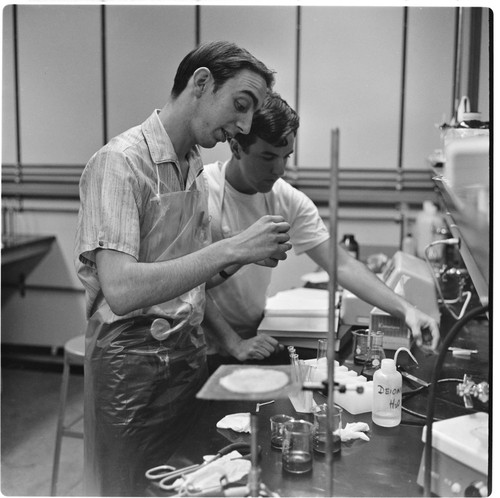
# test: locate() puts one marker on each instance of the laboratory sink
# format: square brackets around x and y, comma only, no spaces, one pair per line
[20,255]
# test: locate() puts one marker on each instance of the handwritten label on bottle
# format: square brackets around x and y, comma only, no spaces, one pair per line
[394,395]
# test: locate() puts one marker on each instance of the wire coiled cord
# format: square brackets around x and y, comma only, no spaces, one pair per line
[432,390]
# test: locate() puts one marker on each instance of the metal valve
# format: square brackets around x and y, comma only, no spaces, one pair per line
[469,388]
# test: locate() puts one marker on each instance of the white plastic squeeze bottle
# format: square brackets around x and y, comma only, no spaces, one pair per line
[387,387]
[387,393]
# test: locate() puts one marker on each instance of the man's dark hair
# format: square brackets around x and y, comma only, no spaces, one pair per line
[224,60]
[273,122]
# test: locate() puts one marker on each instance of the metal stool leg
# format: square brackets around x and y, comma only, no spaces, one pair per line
[60,425]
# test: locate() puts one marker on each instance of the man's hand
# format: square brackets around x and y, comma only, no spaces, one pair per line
[421,326]
[265,242]
[271,262]
[257,348]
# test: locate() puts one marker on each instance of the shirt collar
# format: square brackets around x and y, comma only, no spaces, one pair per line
[160,145]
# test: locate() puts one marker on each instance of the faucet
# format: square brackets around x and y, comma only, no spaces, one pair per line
[457,275]
[469,388]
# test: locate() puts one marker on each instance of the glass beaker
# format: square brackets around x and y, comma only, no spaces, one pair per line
[375,354]
[320,428]
[297,447]
[360,346]
[278,429]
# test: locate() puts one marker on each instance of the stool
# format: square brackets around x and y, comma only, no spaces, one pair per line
[74,354]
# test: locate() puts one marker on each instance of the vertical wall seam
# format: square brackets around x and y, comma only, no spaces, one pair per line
[16,87]
[103,76]
[457,66]
[197,27]
[297,77]
[403,89]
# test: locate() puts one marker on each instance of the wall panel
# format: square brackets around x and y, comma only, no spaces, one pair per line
[145,44]
[350,79]
[59,76]
[429,81]
[9,122]
[269,33]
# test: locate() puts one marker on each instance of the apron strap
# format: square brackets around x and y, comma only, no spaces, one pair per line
[216,199]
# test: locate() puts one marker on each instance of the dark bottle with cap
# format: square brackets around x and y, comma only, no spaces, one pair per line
[352,247]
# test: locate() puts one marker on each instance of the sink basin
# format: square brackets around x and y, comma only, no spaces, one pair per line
[17,248]
[20,255]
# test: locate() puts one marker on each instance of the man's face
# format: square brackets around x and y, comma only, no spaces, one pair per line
[229,110]
[263,164]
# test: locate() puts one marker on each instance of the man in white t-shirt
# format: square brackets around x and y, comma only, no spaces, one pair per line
[243,189]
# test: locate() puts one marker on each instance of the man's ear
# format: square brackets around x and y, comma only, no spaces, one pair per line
[202,78]
[235,148]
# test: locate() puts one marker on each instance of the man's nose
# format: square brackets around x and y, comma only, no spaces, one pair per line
[279,167]
[245,123]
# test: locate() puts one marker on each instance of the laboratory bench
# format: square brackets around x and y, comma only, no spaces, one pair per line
[387,465]
[381,467]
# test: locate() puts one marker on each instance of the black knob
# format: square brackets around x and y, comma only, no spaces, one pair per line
[476,488]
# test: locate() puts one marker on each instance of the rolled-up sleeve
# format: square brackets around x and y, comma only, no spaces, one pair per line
[109,212]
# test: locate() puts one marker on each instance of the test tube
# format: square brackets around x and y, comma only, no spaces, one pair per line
[294,360]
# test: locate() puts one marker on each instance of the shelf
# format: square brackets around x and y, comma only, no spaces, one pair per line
[472,229]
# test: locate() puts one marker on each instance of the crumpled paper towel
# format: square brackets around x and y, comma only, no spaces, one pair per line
[231,466]
[355,430]
[239,422]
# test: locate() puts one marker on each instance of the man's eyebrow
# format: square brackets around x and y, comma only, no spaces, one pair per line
[252,96]
[275,154]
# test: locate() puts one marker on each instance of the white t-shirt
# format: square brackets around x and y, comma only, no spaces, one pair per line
[242,297]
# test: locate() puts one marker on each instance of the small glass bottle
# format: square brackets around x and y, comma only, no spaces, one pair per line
[375,354]
[351,245]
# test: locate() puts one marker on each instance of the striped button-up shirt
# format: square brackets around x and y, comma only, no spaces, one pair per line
[115,189]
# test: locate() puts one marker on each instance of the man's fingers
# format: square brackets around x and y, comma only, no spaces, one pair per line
[282,237]
[283,226]
[269,262]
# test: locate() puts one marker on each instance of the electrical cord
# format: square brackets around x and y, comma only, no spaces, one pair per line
[419,390]
[450,337]
[467,294]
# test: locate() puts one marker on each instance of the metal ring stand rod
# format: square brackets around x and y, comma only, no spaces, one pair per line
[254,476]
[332,287]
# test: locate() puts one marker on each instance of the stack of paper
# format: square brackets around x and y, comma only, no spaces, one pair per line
[298,317]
